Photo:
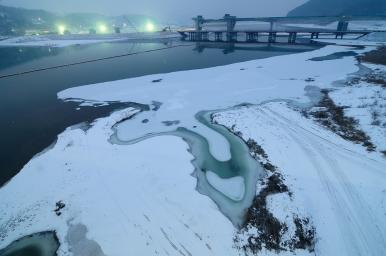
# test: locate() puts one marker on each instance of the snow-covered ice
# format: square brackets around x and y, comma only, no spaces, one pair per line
[184,94]
[234,187]
[135,199]
[140,198]
[68,40]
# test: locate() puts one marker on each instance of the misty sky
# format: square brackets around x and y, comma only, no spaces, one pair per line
[165,10]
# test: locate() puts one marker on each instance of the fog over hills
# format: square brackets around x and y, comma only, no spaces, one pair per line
[168,11]
[340,7]
[16,21]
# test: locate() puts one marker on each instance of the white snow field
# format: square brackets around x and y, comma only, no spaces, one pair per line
[141,199]
[184,94]
[234,187]
[366,102]
[68,40]
[338,183]
[134,200]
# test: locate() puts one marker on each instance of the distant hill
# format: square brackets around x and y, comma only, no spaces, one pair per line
[16,21]
[340,7]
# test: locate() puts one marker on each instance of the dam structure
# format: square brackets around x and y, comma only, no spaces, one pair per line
[288,28]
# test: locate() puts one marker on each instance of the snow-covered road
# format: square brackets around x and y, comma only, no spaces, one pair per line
[338,183]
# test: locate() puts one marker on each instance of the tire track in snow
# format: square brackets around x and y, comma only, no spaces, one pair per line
[332,193]
[369,234]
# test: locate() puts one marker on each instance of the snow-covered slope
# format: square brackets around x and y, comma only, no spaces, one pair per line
[338,183]
[365,101]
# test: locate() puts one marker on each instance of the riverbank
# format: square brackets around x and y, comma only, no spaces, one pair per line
[337,184]
[327,196]
[32,97]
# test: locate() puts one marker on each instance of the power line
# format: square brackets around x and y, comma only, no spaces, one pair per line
[88,61]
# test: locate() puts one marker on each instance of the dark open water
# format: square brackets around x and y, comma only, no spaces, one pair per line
[31,116]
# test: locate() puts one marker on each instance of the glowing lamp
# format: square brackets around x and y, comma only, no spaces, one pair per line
[61,29]
[102,28]
[150,27]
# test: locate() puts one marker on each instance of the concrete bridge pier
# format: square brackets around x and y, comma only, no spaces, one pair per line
[198,36]
[272,37]
[194,36]
[230,26]
[218,36]
[232,36]
[252,36]
[198,22]
[230,22]
[340,34]
[341,28]
[292,37]
[205,36]
[256,36]
[342,25]
[314,35]
[230,33]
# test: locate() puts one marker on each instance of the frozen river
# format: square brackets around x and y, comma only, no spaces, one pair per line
[164,163]
[31,114]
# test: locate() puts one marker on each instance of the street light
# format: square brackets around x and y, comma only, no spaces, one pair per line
[150,27]
[61,29]
[102,28]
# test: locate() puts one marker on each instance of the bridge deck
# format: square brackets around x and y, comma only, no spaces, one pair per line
[299,19]
[232,32]
[272,35]
[286,31]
